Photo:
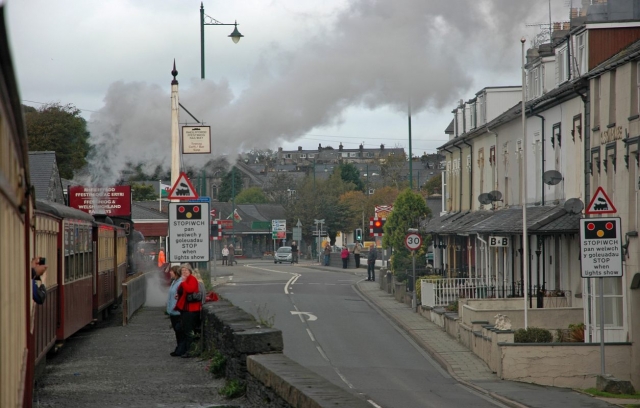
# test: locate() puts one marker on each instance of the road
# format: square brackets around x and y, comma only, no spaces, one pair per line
[328,328]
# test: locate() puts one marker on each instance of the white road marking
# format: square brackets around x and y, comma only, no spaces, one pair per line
[311,335]
[310,317]
[322,353]
[374,404]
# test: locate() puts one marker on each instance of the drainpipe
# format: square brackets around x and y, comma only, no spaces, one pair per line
[541,117]
[460,189]
[495,187]
[470,175]
[486,259]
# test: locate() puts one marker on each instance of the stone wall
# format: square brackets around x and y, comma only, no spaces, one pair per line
[254,357]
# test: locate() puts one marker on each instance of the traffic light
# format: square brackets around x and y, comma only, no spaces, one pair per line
[357,234]
[216,231]
[376,226]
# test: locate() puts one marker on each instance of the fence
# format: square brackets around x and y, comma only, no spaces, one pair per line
[443,292]
[134,296]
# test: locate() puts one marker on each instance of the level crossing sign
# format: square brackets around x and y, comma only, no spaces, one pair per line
[601,247]
[600,203]
[183,189]
[189,232]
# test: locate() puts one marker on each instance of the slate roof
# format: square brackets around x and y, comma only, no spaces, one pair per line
[140,211]
[42,169]
[542,220]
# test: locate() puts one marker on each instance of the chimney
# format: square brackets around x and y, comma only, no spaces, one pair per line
[279,149]
[340,147]
[382,147]
[299,148]
[319,147]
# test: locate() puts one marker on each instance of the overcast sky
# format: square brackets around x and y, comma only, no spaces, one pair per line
[306,72]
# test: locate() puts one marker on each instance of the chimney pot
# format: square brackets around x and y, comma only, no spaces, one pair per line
[299,148]
[340,147]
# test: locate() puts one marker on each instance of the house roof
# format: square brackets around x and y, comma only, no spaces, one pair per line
[41,165]
[140,211]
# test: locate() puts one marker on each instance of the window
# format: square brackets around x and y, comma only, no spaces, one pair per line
[612,98]
[561,65]
[596,102]
[555,135]
[303,155]
[287,156]
[472,113]
[492,155]
[353,154]
[311,155]
[345,154]
[581,50]
[635,89]
[577,127]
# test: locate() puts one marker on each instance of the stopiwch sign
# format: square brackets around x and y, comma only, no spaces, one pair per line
[600,247]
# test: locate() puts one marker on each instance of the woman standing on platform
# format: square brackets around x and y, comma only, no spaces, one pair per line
[174,315]
[189,309]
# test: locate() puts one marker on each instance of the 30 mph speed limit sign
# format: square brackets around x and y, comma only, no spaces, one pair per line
[412,241]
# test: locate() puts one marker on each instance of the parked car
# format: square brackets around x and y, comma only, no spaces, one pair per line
[283,254]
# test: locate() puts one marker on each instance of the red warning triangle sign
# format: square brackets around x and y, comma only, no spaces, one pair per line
[600,204]
[183,189]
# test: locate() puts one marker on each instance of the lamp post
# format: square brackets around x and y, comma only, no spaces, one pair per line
[523,180]
[175,127]
[208,20]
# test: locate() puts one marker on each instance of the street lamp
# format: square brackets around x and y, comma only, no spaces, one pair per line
[208,20]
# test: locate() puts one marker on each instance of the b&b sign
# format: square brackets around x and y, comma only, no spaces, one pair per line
[498,241]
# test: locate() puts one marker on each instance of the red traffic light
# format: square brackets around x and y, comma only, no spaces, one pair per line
[377,224]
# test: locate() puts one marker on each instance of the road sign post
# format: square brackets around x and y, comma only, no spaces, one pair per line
[601,257]
[413,241]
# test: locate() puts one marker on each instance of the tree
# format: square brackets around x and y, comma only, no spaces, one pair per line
[350,174]
[393,170]
[143,192]
[227,188]
[408,209]
[252,195]
[61,129]
[434,185]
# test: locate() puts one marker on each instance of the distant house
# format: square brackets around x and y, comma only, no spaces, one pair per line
[46,177]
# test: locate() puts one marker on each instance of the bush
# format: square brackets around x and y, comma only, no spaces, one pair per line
[533,335]
[453,307]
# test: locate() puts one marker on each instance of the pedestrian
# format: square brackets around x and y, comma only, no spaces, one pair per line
[294,252]
[225,255]
[371,263]
[327,254]
[174,315]
[344,254]
[232,255]
[161,258]
[189,304]
[356,253]
[39,290]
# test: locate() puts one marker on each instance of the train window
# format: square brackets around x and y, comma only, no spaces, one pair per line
[67,274]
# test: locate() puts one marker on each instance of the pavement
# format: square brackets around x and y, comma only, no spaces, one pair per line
[464,365]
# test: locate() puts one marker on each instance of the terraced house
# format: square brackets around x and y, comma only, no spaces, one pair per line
[580,131]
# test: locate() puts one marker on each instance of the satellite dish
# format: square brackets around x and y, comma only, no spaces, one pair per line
[573,205]
[495,195]
[484,199]
[552,177]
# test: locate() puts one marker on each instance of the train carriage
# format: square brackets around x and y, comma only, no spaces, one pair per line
[75,269]
[16,205]
[111,264]
[47,229]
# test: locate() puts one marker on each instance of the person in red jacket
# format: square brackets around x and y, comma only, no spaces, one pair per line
[190,305]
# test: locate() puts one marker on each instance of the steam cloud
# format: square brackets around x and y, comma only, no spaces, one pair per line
[376,54]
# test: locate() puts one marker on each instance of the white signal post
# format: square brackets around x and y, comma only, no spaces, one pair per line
[413,241]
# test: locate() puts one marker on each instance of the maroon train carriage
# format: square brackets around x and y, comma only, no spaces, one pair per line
[111,262]
[75,266]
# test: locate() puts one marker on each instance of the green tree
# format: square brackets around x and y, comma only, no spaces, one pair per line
[393,170]
[227,187]
[252,195]
[434,185]
[350,174]
[143,192]
[61,129]
[408,209]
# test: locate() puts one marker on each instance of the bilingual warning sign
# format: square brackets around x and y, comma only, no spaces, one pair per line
[600,204]
[189,232]
[601,247]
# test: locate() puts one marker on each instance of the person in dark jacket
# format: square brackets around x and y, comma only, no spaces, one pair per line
[294,252]
[371,263]
[189,309]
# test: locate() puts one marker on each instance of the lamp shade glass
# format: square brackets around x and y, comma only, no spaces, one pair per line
[235,35]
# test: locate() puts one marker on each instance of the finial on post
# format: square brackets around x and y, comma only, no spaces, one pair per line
[174,72]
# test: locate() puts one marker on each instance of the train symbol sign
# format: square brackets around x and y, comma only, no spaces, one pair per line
[183,189]
[600,204]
